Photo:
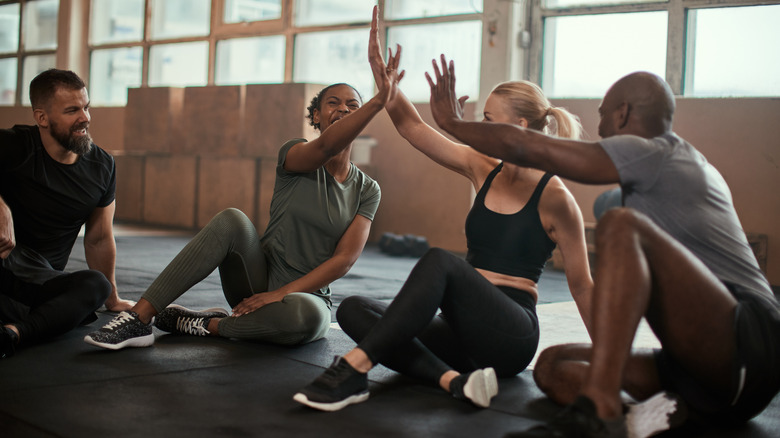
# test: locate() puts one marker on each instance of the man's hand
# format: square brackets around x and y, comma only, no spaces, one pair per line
[116,304]
[445,105]
[7,236]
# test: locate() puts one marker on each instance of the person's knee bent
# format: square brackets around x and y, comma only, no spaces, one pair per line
[355,316]
[618,223]
[93,286]
[544,369]
[309,323]
[230,218]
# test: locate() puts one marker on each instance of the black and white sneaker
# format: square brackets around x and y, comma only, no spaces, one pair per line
[339,386]
[477,386]
[179,319]
[658,413]
[125,330]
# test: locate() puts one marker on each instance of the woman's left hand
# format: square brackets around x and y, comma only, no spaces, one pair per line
[256,301]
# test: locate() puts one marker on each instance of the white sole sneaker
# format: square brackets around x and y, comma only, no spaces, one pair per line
[481,387]
[658,413]
[330,407]
[140,341]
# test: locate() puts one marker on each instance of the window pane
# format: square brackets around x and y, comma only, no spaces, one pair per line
[31,66]
[319,12]
[401,9]
[115,21]
[238,11]
[111,73]
[40,24]
[179,65]
[7,81]
[583,56]
[180,18]
[460,42]
[257,60]
[9,28]
[732,52]
[331,57]
[553,4]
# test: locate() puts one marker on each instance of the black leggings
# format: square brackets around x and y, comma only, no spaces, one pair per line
[480,325]
[55,307]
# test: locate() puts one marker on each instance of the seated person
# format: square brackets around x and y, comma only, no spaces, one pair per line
[277,284]
[488,325]
[676,254]
[54,180]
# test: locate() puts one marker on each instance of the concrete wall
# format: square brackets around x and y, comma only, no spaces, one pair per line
[177,142]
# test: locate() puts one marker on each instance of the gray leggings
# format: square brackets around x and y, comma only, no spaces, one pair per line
[230,242]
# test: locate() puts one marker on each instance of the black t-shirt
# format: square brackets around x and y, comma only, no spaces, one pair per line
[50,201]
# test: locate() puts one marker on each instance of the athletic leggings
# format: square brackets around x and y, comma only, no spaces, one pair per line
[230,242]
[43,311]
[480,325]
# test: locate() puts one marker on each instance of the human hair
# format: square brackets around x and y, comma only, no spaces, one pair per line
[316,102]
[528,101]
[45,85]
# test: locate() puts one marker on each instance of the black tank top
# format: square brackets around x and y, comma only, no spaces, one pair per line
[512,244]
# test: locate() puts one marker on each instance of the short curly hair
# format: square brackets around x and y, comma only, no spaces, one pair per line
[316,102]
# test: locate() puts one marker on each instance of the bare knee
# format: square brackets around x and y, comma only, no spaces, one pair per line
[617,222]
[544,370]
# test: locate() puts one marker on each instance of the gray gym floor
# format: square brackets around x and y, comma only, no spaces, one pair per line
[190,386]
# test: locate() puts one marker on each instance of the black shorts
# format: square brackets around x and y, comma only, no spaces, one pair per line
[756,365]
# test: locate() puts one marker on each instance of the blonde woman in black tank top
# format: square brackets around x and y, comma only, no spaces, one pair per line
[488,326]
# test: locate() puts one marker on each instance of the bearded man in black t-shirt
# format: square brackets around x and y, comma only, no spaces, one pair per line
[53,181]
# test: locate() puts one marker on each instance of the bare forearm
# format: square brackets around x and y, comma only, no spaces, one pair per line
[101,256]
[499,140]
[321,276]
[340,135]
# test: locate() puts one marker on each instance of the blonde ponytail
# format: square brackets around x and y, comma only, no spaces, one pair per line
[529,102]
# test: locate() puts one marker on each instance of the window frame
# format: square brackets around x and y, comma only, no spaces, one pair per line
[21,53]
[677,30]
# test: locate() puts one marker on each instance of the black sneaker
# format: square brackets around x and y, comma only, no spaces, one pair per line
[658,413]
[178,319]
[125,330]
[477,386]
[578,420]
[340,385]
[8,340]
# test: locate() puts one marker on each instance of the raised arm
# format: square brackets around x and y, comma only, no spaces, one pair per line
[310,156]
[407,120]
[580,161]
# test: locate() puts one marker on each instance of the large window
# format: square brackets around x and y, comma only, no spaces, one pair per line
[22,59]
[182,43]
[701,47]
[733,52]
[583,58]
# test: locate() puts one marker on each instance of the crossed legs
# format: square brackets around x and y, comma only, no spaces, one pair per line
[642,271]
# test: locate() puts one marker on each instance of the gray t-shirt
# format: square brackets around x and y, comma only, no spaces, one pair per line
[670,181]
[309,214]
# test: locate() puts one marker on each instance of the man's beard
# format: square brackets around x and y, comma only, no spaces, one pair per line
[78,144]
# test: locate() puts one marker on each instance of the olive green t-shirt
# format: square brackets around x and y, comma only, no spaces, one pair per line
[309,214]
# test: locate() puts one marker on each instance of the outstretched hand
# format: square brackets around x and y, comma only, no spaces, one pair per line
[387,75]
[445,105]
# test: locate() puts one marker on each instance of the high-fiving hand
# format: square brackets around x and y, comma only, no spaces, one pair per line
[445,105]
